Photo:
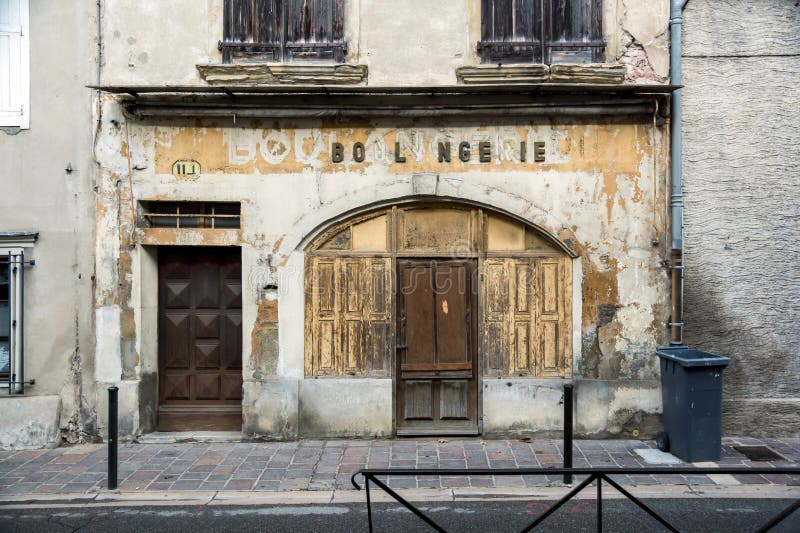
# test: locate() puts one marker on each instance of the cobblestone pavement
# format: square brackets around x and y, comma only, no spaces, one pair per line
[328,465]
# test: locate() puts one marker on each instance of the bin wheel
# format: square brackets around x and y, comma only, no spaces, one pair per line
[662,441]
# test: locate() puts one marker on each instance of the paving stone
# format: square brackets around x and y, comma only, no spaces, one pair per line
[193,475]
[189,484]
[240,484]
[402,483]
[268,484]
[81,487]
[481,481]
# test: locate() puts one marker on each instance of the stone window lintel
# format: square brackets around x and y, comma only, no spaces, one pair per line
[540,73]
[280,74]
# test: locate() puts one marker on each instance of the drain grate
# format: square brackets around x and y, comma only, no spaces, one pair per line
[759,453]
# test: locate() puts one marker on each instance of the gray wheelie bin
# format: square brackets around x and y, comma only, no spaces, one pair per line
[691,391]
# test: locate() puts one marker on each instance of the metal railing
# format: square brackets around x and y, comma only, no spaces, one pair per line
[598,475]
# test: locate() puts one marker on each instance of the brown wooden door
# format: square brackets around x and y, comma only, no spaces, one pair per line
[200,339]
[437,389]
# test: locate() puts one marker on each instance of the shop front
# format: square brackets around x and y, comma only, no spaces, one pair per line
[412,267]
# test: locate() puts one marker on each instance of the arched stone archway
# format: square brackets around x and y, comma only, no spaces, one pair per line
[436,296]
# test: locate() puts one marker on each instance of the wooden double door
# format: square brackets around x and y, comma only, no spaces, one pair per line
[200,339]
[437,371]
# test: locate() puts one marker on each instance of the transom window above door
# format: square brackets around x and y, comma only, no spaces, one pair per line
[541,31]
[283,31]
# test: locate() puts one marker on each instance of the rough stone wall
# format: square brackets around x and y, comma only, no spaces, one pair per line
[46,178]
[742,214]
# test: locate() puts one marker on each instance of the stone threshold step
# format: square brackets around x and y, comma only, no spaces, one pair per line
[175,437]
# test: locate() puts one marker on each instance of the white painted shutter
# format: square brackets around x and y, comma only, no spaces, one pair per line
[14,63]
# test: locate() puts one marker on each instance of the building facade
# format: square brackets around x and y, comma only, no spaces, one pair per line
[316,219]
[352,218]
[46,221]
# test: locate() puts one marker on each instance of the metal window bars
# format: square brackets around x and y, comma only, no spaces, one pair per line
[596,475]
[14,345]
[194,215]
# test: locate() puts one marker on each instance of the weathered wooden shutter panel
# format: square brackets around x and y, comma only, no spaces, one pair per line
[527,313]
[268,29]
[547,31]
[553,353]
[353,276]
[377,316]
[237,22]
[348,327]
[323,342]
[495,317]
[521,315]
[570,23]
[510,21]
[314,29]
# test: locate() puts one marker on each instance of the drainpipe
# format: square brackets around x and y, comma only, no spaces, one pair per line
[676,194]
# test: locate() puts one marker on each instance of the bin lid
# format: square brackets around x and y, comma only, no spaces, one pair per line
[685,356]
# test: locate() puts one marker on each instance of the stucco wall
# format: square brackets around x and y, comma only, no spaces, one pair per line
[742,129]
[38,193]
[410,42]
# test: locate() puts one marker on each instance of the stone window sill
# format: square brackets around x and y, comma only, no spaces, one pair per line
[279,74]
[535,73]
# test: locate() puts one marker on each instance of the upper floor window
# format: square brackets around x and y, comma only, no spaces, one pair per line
[541,31]
[14,64]
[283,30]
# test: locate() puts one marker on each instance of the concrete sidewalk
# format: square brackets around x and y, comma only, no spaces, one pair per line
[218,470]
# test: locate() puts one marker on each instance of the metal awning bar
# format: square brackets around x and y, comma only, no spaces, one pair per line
[533,89]
[296,101]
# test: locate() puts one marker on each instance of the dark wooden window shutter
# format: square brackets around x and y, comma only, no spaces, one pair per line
[283,30]
[541,31]
[511,31]
[315,29]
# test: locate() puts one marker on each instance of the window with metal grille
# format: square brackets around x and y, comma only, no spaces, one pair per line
[283,30]
[541,31]
[11,315]
[213,215]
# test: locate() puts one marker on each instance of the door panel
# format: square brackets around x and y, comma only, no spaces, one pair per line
[418,399]
[452,316]
[419,298]
[437,371]
[454,402]
[200,339]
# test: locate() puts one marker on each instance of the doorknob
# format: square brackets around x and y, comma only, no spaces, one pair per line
[402,346]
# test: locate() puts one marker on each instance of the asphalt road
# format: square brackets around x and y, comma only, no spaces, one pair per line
[580,515]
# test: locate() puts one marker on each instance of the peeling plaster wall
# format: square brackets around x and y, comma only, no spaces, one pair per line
[742,241]
[601,190]
[641,40]
[40,194]
[436,37]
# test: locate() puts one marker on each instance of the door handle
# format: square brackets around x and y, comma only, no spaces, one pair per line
[402,346]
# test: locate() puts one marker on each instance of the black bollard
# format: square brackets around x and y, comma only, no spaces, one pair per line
[568,389]
[113,409]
